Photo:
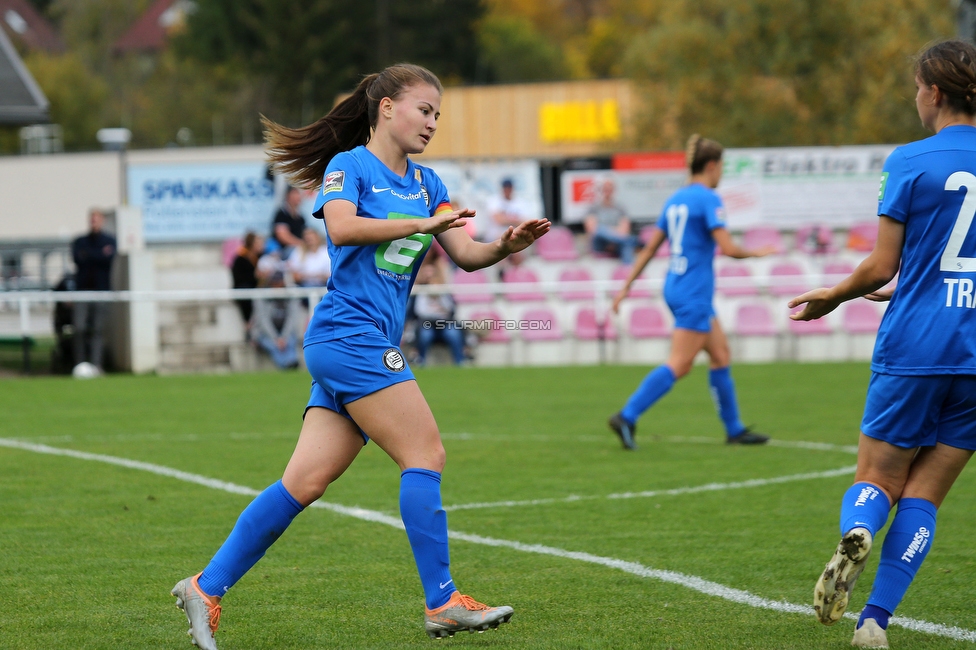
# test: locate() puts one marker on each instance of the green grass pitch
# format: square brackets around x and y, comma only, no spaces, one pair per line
[89,550]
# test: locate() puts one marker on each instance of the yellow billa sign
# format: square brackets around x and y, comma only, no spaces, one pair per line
[590,121]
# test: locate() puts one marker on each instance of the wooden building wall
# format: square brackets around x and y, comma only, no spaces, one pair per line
[543,120]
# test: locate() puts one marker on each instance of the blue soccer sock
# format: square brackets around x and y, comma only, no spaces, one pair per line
[864,506]
[723,393]
[426,524]
[261,523]
[655,385]
[879,615]
[905,546]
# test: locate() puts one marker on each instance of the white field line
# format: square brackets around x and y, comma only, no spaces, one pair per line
[634,568]
[462,436]
[708,487]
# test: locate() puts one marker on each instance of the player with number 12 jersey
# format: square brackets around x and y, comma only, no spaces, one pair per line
[693,221]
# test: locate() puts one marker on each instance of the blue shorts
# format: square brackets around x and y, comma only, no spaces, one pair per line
[696,316]
[920,411]
[348,369]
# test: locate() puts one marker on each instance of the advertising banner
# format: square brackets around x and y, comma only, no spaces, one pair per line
[202,201]
[783,187]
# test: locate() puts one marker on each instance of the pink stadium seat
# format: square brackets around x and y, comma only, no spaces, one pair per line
[228,251]
[862,236]
[546,326]
[528,280]
[588,328]
[787,279]
[815,239]
[645,236]
[737,284]
[861,317]
[557,245]
[577,274]
[754,319]
[621,273]
[474,278]
[803,327]
[834,272]
[495,334]
[760,236]
[647,322]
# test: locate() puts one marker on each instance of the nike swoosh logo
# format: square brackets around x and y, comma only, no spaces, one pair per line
[377,190]
[444,584]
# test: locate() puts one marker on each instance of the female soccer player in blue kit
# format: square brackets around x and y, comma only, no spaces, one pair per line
[919,425]
[693,220]
[381,211]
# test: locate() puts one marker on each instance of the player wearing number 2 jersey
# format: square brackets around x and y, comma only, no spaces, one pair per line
[381,213]
[919,425]
[693,221]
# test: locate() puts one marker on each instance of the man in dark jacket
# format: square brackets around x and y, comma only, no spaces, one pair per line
[93,254]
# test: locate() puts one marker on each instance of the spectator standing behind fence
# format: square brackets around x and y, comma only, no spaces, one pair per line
[608,226]
[243,271]
[435,312]
[310,265]
[93,254]
[278,323]
[288,224]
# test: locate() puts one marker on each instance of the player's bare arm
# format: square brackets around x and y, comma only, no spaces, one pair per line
[346,228]
[877,270]
[470,255]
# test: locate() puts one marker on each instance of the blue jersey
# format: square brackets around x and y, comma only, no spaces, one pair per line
[688,219]
[930,326]
[369,285]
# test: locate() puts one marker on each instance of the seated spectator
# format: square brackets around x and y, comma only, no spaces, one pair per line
[608,226]
[278,324]
[310,264]
[435,313]
[243,271]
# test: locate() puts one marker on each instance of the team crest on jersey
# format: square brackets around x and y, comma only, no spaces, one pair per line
[423,190]
[720,215]
[393,360]
[333,182]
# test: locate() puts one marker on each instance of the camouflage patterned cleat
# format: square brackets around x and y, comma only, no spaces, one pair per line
[870,635]
[624,430]
[463,613]
[837,581]
[202,611]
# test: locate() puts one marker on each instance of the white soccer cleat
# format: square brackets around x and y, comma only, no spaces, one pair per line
[463,613]
[870,635]
[834,587]
[202,612]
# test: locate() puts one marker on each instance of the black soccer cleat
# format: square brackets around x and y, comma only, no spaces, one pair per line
[747,437]
[624,430]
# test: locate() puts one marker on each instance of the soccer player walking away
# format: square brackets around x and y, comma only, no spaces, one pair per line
[919,425]
[693,221]
[381,212]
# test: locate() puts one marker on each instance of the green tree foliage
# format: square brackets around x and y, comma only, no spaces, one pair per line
[78,97]
[305,53]
[513,50]
[782,72]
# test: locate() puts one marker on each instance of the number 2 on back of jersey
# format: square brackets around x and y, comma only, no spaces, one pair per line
[951,261]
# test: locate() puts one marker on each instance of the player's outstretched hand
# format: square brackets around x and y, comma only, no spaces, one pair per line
[619,298]
[818,303]
[763,251]
[442,222]
[520,237]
